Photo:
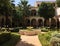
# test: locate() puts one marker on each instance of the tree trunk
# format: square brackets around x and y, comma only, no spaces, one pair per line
[43,22]
[7,27]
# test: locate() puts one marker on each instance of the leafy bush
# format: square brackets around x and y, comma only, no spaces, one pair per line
[2,29]
[55,40]
[45,38]
[13,39]
[4,36]
[44,29]
[14,30]
[49,37]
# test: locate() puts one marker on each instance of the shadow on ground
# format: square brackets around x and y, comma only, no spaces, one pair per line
[23,43]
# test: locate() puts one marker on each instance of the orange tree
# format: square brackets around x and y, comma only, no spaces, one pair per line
[46,10]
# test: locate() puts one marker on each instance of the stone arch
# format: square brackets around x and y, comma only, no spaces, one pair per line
[33,22]
[40,22]
[27,22]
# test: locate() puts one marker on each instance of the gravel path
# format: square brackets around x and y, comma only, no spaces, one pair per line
[29,41]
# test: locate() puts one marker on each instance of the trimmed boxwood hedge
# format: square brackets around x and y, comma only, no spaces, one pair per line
[14,29]
[9,39]
[44,29]
[4,36]
[45,38]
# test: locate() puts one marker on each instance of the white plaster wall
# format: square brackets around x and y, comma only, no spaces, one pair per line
[58,11]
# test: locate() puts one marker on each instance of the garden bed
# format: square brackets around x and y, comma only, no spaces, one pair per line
[49,38]
[9,39]
[45,38]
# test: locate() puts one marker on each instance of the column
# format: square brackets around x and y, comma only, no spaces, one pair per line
[43,22]
[49,22]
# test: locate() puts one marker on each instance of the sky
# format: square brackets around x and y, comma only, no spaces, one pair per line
[31,2]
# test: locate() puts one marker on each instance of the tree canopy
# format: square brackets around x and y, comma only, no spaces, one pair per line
[46,10]
[24,8]
[58,3]
[5,7]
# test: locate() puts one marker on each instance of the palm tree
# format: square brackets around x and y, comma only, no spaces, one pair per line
[24,10]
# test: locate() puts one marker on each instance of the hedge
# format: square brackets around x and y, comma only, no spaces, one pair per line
[49,38]
[45,38]
[4,36]
[55,40]
[9,39]
[14,29]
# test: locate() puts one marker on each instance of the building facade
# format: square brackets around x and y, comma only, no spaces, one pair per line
[37,21]
[34,19]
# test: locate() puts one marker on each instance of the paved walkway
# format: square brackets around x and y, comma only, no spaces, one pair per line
[29,41]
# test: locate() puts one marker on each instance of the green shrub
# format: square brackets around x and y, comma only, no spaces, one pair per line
[45,38]
[55,40]
[2,29]
[5,36]
[44,29]
[14,38]
[15,30]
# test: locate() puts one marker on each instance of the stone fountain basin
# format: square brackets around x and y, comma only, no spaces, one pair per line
[30,33]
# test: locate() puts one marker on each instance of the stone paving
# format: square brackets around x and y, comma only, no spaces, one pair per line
[29,41]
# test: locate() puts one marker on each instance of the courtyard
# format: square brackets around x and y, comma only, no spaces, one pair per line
[25,24]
